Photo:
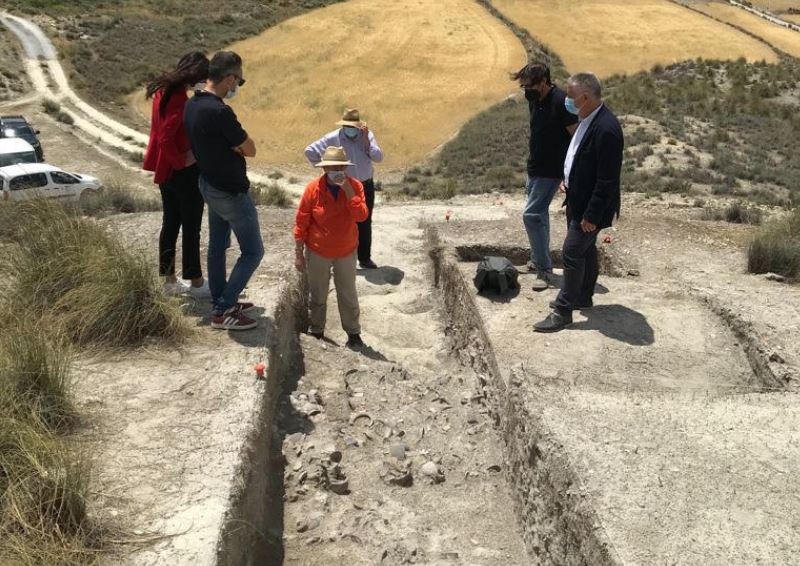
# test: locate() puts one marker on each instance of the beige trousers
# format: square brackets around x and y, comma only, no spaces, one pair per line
[318,271]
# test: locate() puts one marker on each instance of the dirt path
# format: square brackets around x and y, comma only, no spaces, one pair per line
[390,413]
[98,129]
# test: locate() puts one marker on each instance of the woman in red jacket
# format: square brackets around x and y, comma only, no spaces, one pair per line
[326,238]
[170,157]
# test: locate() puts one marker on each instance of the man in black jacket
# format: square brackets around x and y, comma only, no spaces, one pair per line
[591,183]
[552,127]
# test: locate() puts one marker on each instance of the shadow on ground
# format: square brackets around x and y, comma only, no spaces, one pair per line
[384,275]
[618,322]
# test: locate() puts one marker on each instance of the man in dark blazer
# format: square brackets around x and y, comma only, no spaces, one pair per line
[591,183]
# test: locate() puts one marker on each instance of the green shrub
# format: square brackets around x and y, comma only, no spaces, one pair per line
[65,118]
[736,213]
[270,195]
[776,248]
[51,106]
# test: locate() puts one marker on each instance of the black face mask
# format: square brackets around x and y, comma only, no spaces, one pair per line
[532,95]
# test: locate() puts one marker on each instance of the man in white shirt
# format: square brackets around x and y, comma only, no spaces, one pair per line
[362,149]
[592,185]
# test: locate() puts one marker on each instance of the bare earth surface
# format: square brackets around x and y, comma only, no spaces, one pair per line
[399,406]
[165,427]
[686,454]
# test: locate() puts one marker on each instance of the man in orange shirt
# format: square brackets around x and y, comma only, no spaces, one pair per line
[326,237]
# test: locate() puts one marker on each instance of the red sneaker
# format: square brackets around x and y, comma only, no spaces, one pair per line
[232,319]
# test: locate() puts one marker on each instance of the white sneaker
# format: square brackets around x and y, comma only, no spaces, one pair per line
[202,292]
[175,289]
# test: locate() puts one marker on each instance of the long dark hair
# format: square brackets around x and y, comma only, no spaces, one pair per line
[191,68]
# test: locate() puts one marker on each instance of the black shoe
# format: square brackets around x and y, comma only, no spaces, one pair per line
[317,335]
[579,307]
[554,322]
[354,341]
[368,264]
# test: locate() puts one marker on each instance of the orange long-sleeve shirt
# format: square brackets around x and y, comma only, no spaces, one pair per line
[328,226]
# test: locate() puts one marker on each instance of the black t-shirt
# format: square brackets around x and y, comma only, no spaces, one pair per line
[214,131]
[549,136]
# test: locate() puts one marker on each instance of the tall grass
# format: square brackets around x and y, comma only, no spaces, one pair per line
[70,272]
[116,198]
[43,518]
[63,280]
[776,248]
[34,375]
[43,489]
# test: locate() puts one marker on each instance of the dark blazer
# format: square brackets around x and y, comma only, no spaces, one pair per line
[593,188]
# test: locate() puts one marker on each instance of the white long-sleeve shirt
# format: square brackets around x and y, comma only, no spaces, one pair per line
[575,143]
[354,149]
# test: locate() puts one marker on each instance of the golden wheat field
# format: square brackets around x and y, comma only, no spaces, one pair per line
[626,36]
[792,18]
[776,6]
[777,36]
[417,70]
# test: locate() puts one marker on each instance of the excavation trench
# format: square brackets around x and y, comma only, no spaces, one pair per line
[320,481]
[331,415]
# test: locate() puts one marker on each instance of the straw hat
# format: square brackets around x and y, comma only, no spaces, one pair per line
[333,155]
[351,117]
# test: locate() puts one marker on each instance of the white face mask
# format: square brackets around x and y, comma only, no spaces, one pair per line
[232,93]
[199,86]
[336,177]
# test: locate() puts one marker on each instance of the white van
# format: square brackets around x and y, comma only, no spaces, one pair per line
[26,181]
[16,150]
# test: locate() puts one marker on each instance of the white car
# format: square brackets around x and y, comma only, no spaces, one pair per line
[16,150]
[32,180]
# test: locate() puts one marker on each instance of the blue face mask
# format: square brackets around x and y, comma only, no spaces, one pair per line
[351,132]
[569,104]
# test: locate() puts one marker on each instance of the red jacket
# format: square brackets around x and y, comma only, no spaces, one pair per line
[328,226]
[166,150]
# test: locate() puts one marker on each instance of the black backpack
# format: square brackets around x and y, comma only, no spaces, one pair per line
[496,274]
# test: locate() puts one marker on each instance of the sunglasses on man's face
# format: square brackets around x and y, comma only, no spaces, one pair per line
[240,79]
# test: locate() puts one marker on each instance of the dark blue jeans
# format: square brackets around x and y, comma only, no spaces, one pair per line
[230,212]
[581,268]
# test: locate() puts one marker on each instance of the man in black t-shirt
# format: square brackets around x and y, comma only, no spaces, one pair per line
[220,145]
[551,130]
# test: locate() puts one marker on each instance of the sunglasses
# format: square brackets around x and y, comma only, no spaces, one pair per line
[240,79]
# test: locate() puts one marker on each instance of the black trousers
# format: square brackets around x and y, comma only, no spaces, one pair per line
[365,228]
[182,212]
[581,268]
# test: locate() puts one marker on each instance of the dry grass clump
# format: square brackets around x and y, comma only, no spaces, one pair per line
[776,249]
[43,490]
[43,516]
[63,280]
[70,272]
[270,195]
[34,375]
[736,213]
[116,198]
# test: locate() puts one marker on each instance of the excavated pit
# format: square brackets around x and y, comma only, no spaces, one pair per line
[554,509]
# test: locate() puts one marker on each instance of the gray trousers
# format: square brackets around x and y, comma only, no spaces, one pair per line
[318,271]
